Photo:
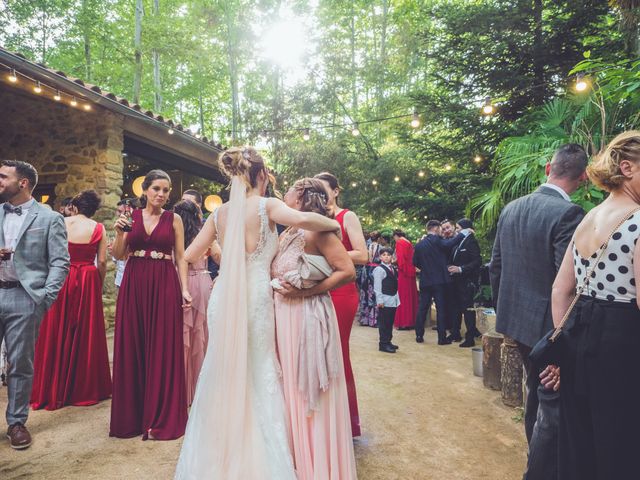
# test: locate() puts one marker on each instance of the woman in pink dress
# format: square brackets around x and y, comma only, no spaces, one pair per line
[407,290]
[346,298]
[306,267]
[71,364]
[196,334]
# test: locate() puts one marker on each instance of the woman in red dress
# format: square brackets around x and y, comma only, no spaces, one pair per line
[346,298]
[71,364]
[407,290]
[149,393]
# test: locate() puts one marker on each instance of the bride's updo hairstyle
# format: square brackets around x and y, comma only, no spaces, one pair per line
[244,162]
[605,171]
[313,195]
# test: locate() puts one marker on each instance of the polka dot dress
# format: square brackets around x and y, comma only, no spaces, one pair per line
[613,278]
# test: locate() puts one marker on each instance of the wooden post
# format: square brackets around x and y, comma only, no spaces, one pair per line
[491,361]
[511,374]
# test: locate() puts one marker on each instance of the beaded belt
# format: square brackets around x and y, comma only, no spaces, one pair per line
[193,273]
[154,254]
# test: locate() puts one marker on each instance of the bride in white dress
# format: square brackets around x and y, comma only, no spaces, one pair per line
[237,424]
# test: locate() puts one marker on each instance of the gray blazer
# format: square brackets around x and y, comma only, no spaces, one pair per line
[41,256]
[532,238]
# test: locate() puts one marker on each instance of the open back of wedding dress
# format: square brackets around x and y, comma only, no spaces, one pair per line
[237,425]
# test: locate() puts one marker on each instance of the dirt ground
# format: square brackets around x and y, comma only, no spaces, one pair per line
[424,416]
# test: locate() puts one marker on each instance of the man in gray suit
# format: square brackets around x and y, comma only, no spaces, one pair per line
[34,262]
[532,238]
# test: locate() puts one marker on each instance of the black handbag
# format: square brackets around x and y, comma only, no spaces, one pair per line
[550,349]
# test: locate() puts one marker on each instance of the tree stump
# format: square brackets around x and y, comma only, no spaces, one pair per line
[511,374]
[491,361]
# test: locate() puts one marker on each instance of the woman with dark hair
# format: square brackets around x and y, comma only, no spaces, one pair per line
[149,395]
[368,305]
[407,290]
[71,365]
[346,298]
[308,265]
[196,335]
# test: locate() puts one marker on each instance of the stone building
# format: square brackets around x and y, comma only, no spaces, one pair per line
[79,137]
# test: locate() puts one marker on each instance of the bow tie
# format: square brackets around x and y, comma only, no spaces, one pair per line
[8,208]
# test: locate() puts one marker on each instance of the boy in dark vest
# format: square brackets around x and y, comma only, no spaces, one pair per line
[385,286]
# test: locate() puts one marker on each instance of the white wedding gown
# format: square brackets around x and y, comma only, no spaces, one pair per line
[212,447]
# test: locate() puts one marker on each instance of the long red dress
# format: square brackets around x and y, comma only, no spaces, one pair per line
[149,394]
[345,300]
[407,290]
[71,363]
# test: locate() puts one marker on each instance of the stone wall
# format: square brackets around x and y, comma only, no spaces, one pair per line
[71,148]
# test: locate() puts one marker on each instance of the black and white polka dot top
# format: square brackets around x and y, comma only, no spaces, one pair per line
[613,277]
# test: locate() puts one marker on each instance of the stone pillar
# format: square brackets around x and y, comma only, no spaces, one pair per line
[511,373]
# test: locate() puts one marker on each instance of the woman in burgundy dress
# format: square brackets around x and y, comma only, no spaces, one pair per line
[149,393]
[407,290]
[71,364]
[346,298]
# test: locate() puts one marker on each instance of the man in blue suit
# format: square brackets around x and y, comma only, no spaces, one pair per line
[430,256]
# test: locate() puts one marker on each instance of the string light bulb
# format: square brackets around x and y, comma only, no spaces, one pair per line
[581,83]
[421,173]
[13,78]
[488,107]
[57,97]
[354,184]
[306,135]
[37,88]
[396,179]
[477,159]
[415,120]
[87,107]
[355,131]
[374,182]
[286,182]
[73,102]
[170,131]
[447,168]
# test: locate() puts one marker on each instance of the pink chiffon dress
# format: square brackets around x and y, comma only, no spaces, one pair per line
[315,390]
[196,333]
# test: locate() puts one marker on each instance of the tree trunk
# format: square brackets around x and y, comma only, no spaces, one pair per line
[352,44]
[86,36]
[137,45]
[233,72]
[382,65]
[538,54]
[491,360]
[155,55]
[511,376]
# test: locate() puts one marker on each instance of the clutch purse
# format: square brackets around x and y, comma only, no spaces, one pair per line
[550,349]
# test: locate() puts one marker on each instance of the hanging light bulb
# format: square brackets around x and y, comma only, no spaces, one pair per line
[286,182]
[421,173]
[306,135]
[73,102]
[354,184]
[396,179]
[415,120]
[581,83]
[57,97]
[488,107]
[447,168]
[374,182]
[170,131]
[37,88]
[355,131]
[13,78]
[87,107]
[477,159]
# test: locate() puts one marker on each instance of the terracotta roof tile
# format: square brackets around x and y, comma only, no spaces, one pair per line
[123,101]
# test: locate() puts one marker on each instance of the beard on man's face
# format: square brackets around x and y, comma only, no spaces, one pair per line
[8,192]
